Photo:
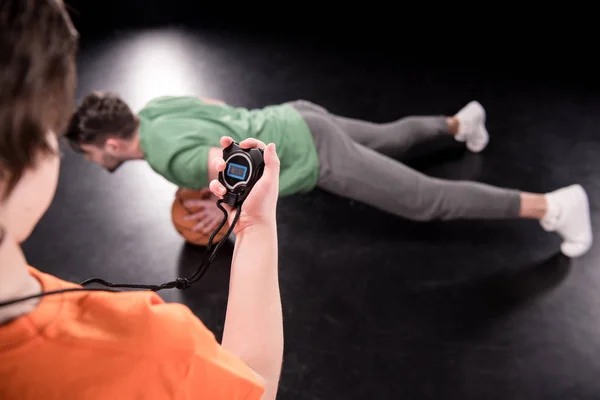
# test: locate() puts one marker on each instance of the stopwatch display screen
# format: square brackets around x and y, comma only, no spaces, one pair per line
[237,171]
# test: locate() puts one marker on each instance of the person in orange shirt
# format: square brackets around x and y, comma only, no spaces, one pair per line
[95,344]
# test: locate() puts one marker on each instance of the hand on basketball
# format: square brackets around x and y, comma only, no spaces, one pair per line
[261,204]
[209,216]
[206,212]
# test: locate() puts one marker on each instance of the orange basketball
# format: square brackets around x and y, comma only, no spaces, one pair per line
[179,212]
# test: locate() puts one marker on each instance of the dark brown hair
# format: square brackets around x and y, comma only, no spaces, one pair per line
[38,45]
[101,116]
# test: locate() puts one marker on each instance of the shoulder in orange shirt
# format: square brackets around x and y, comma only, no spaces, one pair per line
[100,345]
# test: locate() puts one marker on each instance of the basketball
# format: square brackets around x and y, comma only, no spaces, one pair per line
[179,212]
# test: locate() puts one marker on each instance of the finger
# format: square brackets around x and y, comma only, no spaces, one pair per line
[226,141]
[219,164]
[201,224]
[206,226]
[197,227]
[271,162]
[193,203]
[195,216]
[252,143]
[210,226]
[217,188]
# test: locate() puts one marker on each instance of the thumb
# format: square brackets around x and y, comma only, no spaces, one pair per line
[272,162]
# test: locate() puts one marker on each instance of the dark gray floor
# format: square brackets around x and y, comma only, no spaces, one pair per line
[375,306]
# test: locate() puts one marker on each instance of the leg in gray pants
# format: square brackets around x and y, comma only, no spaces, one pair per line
[356,162]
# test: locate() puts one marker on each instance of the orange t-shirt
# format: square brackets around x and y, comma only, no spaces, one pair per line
[100,345]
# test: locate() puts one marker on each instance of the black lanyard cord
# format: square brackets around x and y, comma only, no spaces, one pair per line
[179,283]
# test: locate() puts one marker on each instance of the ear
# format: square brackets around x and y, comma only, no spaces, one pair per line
[112,145]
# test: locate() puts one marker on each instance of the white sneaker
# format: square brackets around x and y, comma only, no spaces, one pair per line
[569,215]
[471,127]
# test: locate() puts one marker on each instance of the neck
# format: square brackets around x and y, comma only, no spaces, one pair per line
[137,152]
[15,280]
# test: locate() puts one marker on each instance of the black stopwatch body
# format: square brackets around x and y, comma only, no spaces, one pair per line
[243,169]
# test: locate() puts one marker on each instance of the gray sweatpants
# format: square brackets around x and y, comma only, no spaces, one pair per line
[357,161]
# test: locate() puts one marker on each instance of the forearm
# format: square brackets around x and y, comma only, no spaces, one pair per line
[253,325]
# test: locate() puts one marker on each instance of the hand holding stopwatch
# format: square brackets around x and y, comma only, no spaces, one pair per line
[243,168]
